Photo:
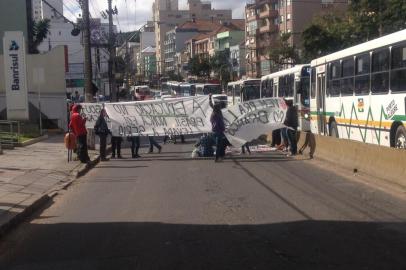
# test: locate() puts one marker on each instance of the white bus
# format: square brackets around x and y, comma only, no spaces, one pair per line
[208,88]
[243,90]
[294,84]
[359,93]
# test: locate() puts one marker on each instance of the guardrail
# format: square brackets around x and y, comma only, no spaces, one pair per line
[378,161]
[10,133]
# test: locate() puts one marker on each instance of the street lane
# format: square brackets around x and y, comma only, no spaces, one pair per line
[168,211]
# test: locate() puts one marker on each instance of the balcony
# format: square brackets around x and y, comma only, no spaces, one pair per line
[268,14]
[252,18]
[270,28]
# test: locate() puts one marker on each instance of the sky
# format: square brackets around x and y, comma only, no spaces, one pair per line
[132,14]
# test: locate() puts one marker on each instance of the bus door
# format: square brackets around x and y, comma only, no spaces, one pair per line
[321,103]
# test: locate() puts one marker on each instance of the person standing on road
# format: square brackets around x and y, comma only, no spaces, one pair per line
[116,147]
[101,129]
[245,146]
[135,146]
[78,126]
[152,143]
[291,122]
[218,128]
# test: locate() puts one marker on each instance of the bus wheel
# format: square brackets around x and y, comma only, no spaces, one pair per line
[333,129]
[400,138]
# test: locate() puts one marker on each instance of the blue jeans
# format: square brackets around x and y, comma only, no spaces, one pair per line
[220,147]
[153,143]
[292,141]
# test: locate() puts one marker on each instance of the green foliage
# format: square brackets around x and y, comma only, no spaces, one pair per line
[363,21]
[282,53]
[39,32]
[200,66]
[175,76]
[221,65]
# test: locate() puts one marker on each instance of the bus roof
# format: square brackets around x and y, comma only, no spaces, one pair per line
[208,84]
[243,81]
[294,69]
[364,47]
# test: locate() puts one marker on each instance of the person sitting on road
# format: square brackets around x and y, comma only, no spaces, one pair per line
[205,145]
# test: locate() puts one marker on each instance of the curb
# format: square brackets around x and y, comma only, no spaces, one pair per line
[18,218]
[40,201]
[33,141]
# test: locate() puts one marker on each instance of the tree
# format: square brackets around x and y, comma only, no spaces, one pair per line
[221,65]
[39,32]
[282,53]
[200,66]
[328,33]
[363,21]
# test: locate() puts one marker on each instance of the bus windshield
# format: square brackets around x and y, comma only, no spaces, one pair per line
[212,89]
[250,92]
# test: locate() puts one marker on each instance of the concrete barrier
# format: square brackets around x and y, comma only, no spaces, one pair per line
[379,161]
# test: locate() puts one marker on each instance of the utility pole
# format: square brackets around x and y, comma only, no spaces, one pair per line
[88,56]
[112,51]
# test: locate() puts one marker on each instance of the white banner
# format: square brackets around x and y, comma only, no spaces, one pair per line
[176,116]
[244,122]
[15,71]
[248,120]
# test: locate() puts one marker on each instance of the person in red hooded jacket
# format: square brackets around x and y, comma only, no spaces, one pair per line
[78,126]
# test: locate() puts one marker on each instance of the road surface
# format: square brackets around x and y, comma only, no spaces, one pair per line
[168,211]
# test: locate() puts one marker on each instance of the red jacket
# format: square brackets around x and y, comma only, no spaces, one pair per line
[77,124]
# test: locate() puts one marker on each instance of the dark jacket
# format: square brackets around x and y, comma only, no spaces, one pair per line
[291,119]
[101,128]
[77,122]
[217,123]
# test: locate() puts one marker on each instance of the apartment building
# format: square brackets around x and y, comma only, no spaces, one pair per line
[51,9]
[266,20]
[167,15]
[175,39]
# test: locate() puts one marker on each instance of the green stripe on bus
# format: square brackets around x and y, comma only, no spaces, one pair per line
[399,118]
[321,113]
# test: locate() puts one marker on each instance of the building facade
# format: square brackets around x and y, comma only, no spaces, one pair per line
[238,61]
[167,15]
[266,20]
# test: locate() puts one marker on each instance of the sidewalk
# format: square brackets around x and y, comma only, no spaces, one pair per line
[29,174]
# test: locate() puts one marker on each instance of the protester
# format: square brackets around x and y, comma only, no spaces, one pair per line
[135,146]
[276,139]
[116,147]
[218,128]
[204,146]
[291,122]
[76,97]
[152,143]
[101,129]
[78,126]
[245,146]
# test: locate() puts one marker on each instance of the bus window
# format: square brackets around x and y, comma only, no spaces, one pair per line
[229,90]
[334,79]
[313,85]
[398,73]
[290,85]
[193,90]
[347,83]
[380,71]
[362,73]
[304,90]
[267,88]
